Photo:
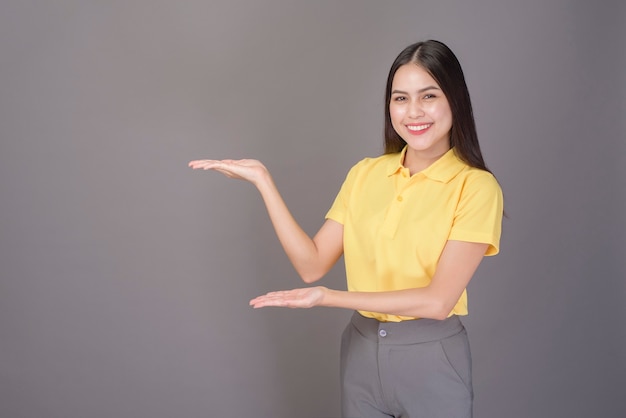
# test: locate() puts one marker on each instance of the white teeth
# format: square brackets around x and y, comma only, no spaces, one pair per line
[419,127]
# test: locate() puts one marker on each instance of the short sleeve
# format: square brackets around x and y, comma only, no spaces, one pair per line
[339,207]
[478,216]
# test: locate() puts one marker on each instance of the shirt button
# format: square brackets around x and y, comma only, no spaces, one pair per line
[399,198]
[382,333]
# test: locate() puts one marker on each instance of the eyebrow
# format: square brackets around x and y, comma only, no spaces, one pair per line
[419,91]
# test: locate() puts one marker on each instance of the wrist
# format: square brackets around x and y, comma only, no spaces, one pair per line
[263,181]
[328,295]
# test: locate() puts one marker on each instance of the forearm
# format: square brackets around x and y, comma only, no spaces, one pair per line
[417,302]
[312,258]
[298,245]
[457,264]
[456,267]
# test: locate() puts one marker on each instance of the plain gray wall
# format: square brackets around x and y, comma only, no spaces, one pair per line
[125,276]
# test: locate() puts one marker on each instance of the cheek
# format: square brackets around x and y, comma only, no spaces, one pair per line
[442,114]
[396,113]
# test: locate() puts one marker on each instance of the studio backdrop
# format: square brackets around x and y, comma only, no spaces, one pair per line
[125,276]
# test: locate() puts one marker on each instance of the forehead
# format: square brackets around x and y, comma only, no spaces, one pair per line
[412,75]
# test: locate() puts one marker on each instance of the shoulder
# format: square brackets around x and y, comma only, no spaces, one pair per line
[381,163]
[476,187]
[481,176]
[477,178]
[479,189]
[368,173]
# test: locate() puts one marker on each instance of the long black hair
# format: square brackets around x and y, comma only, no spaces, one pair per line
[441,63]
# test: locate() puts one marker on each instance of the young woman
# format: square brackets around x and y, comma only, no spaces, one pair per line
[413,225]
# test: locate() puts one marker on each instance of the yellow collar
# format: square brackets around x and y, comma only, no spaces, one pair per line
[443,170]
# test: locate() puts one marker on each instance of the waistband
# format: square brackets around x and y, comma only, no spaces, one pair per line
[406,332]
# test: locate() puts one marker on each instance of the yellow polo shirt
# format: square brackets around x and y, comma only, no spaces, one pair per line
[396,225]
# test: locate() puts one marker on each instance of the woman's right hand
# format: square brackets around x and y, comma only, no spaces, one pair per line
[312,258]
[250,170]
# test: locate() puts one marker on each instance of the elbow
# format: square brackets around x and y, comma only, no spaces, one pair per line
[312,272]
[439,310]
[440,315]
[435,304]
[310,277]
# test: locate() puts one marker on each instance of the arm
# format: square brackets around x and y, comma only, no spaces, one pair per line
[312,258]
[456,267]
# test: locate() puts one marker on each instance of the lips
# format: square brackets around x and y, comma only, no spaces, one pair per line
[418,129]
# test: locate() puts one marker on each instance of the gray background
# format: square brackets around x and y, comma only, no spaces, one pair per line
[125,276]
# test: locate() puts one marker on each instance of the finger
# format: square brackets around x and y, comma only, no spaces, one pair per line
[262,303]
[221,166]
[211,165]
[212,162]
[201,163]
[278,298]
[225,172]
[196,162]
[266,298]
[283,293]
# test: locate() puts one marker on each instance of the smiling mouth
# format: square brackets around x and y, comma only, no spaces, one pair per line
[417,128]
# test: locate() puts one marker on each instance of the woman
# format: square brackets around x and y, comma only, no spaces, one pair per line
[413,225]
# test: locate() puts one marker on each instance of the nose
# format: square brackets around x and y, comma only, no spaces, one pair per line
[415,109]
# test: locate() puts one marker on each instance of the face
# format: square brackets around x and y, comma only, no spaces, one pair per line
[420,114]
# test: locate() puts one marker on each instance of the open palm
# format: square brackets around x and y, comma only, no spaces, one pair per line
[297,298]
[247,169]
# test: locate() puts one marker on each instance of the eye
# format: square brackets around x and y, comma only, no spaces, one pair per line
[429,96]
[399,99]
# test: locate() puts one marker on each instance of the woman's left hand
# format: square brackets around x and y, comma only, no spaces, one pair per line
[297,298]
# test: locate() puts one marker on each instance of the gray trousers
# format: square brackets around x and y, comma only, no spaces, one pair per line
[410,369]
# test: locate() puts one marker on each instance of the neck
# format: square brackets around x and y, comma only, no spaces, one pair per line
[417,161]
